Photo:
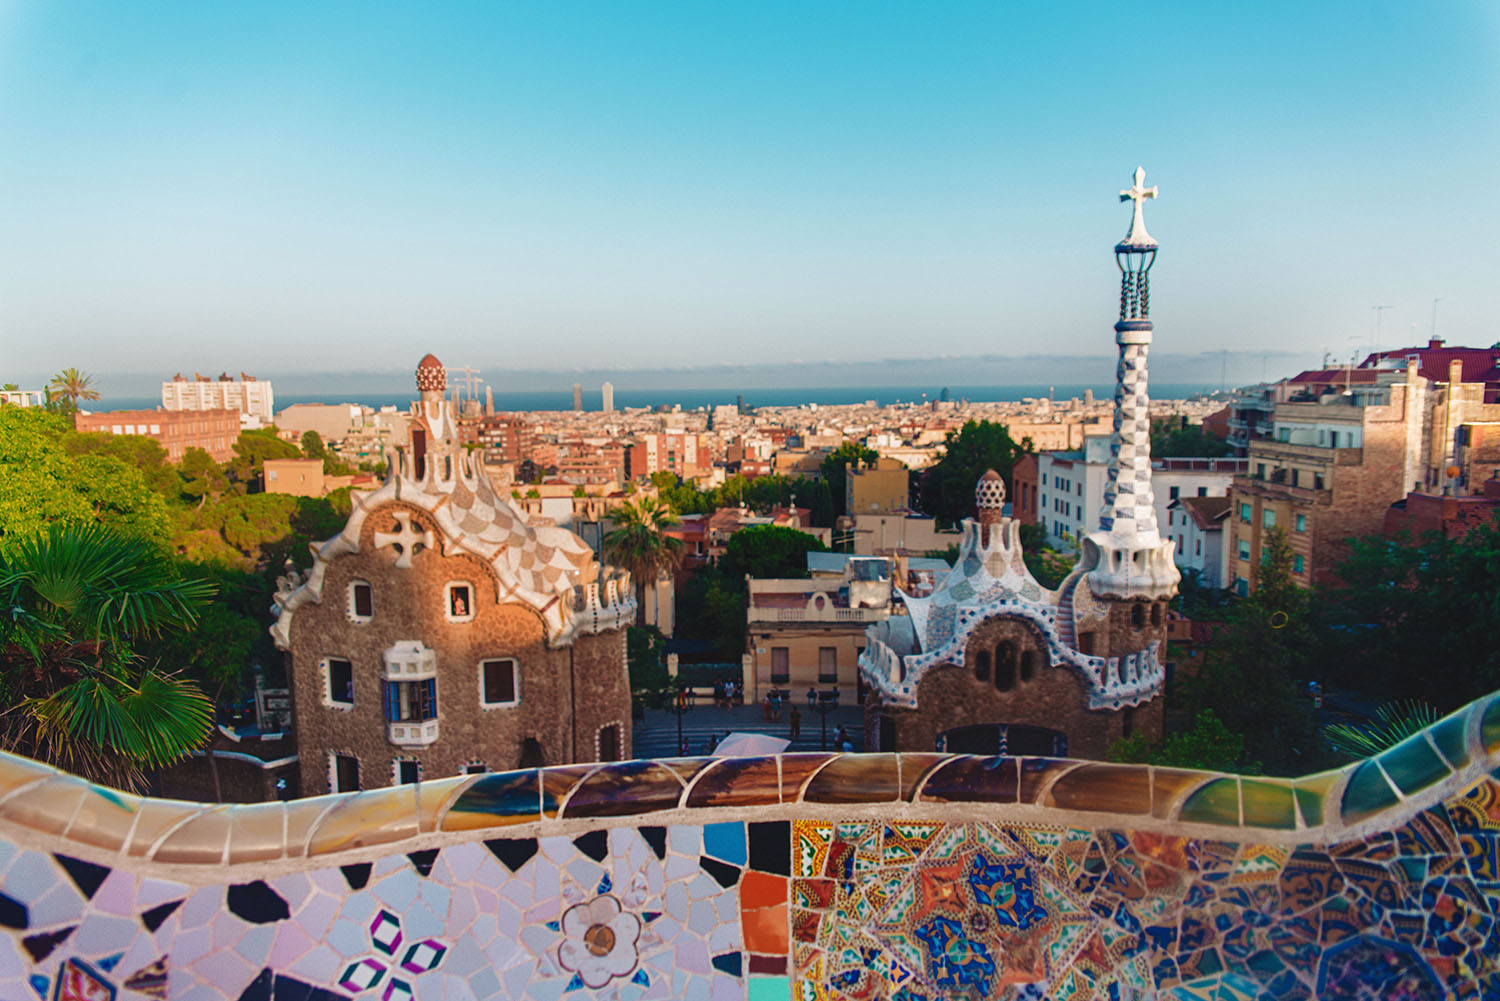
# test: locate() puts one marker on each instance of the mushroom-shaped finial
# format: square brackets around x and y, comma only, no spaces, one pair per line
[989,497]
[431,376]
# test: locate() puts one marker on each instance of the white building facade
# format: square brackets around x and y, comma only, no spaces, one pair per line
[252,397]
[1070,486]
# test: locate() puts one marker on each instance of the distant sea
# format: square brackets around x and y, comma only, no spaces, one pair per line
[695,399]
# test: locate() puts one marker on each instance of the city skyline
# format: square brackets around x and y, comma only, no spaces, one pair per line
[521,189]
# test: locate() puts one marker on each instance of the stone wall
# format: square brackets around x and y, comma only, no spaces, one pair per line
[566,694]
[908,877]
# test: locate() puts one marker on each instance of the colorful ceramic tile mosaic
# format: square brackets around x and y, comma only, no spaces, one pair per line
[817,877]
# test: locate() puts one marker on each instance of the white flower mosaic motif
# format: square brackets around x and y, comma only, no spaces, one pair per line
[599,941]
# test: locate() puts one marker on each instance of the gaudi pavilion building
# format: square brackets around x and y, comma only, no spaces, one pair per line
[994,663]
[442,633]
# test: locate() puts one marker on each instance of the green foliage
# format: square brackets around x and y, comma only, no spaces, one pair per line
[268,529]
[1049,566]
[143,453]
[768,551]
[948,485]
[1208,745]
[1249,677]
[251,451]
[646,658]
[202,477]
[1393,723]
[69,386]
[1175,437]
[835,470]
[761,493]
[78,601]
[312,445]
[711,606]
[42,483]
[1408,611]
[639,544]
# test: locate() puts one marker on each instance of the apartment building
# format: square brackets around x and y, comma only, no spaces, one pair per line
[879,487]
[248,395]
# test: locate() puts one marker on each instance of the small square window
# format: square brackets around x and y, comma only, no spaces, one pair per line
[497,682]
[1268,519]
[408,772]
[1203,491]
[1298,564]
[458,606]
[340,681]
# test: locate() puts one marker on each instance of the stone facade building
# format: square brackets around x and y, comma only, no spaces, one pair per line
[441,633]
[994,663]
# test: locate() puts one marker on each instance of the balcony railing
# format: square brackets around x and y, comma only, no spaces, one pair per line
[828,613]
[415,734]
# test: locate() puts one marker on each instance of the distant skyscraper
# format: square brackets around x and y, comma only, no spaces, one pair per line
[739,402]
[943,396]
[609,397]
[577,396]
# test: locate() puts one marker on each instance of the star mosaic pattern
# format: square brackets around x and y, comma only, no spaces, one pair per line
[849,877]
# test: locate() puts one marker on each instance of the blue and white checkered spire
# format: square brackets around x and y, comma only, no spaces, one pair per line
[1127,557]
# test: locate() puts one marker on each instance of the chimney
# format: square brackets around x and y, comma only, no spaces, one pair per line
[1435,343]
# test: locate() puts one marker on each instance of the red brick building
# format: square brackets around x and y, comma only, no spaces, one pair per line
[214,431]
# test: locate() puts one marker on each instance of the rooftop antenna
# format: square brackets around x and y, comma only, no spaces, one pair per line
[1433,335]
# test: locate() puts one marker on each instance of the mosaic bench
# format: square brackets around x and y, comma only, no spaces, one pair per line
[814,876]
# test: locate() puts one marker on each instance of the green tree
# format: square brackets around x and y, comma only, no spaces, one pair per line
[835,470]
[639,543]
[144,454]
[1208,745]
[1049,566]
[312,445]
[1251,672]
[41,483]
[251,450]
[1406,611]
[948,485]
[646,659]
[768,551]
[71,385]
[202,477]
[78,599]
[1175,437]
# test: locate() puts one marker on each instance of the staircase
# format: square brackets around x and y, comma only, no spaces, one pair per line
[1065,630]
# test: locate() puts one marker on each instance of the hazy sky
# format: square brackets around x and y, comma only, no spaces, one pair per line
[537,185]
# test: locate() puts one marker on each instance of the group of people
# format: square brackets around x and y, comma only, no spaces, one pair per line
[727,693]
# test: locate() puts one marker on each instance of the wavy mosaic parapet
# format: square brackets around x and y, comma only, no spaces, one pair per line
[1379,793]
[910,877]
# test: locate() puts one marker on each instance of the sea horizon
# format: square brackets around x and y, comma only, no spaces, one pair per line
[694,399]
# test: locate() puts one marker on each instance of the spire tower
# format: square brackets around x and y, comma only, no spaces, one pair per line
[1127,558]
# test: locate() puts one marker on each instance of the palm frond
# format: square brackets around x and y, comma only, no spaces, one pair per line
[1393,723]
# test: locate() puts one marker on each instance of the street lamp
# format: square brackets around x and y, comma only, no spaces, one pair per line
[679,703]
[823,703]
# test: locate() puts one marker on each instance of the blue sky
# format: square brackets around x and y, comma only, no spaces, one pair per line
[525,185]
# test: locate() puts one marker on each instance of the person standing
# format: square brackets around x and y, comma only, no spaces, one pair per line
[794,722]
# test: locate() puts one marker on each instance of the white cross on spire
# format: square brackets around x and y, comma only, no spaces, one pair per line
[1138,193]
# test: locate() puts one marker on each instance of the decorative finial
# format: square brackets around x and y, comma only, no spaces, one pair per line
[989,497]
[1138,193]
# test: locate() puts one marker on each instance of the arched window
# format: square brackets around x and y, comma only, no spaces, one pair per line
[1028,664]
[982,665]
[1158,613]
[1137,615]
[1005,666]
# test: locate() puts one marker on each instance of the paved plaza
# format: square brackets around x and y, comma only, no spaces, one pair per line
[656,734]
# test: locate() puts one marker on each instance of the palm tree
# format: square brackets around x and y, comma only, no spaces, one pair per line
[73,385]
[76,692]
[638,543]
